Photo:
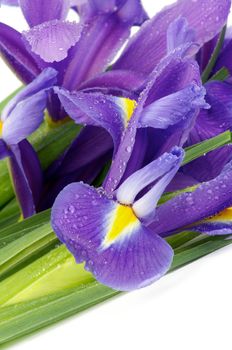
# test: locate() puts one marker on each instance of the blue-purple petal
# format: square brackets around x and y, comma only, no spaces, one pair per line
[26,177]
[25,112]
[82,219]
[148,46]
[52,40]
[207,200]
[179,33]
[16,55]
[96,109]
[4,151]
[210,123]
[39,11]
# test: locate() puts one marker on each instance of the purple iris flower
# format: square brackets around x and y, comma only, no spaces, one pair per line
[115,240]
[78,51]
[161,34]
[19,119]
[118,232]
[110,233]
[172,32]
[164,115]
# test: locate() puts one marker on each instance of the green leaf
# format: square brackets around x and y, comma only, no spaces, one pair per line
[200,149]
[30,316]
[24,242]
[27,316]
[198,249]
[220,75]
[53,272]
[10,214]
[214,56]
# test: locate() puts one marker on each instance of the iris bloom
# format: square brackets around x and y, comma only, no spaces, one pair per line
[19,119]
[157,37]
[78,51]
[172,32]
[163,117]
[110,232]
[119,234]
[109,228]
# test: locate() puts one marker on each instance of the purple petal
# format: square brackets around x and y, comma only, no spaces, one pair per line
[207,200]
[39,11]
[4,152]
[32,169]
[181,181]
[211,123]
[16,55]
[174,108]
[127,11]
[97,109]
[138,155]
[132,12]
[10,2]
[179,33]
[138,181]
[52,40]
[117,83]
[57,181]
[26,111]
[144,207]
[24,119]
[100,41]
[224,58]
[44,81]
[26,177]
[130,257]
[91,144]
[162,82]
[209,166]
[206,51]
[214,228]
[148,46]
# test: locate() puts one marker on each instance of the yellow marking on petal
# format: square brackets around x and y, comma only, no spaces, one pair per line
[129,107]
[1,127]
[124,221]
[225,215]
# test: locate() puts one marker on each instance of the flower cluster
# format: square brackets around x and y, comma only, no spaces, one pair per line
[169,89]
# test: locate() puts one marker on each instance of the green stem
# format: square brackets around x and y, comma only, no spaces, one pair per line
[213,60]
[28,315]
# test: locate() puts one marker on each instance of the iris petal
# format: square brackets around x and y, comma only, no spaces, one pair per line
[39,11]
[134,184]
[97,109]
[179,33]
[207,200]
[218,225]
[52,40]
[123,255]
[14,52]
[25,111]
[205,17]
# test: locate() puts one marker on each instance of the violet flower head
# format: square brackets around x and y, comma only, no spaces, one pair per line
[78,51]
[160,119]
[110,233]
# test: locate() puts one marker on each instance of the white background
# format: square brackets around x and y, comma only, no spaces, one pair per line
[189,309]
